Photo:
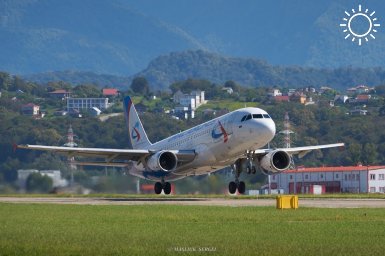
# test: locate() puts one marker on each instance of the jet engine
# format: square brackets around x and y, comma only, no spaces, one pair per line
[275,162]
[162,160]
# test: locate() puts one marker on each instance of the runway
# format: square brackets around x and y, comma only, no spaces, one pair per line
[315,203]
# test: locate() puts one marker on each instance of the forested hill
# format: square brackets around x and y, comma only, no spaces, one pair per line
[166,69]
[252,72]
[79,77]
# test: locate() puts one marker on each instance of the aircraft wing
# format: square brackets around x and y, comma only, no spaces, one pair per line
[300,151]
[113,157]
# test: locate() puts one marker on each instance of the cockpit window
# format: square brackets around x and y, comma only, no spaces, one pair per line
[243,118]
[266,116]
[248,117]
[257,116]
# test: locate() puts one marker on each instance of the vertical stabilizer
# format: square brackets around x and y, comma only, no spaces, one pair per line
[137,136]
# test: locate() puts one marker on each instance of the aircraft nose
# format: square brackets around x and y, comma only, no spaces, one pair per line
[268,128]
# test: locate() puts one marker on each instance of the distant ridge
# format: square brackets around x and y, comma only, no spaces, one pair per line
[79,77]
[177,66]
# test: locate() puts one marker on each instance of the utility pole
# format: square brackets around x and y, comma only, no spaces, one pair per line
[287,141]
[70,143]
[286,132]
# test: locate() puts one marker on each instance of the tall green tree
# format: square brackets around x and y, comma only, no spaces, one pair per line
[39,183]
[140,85]
[370,155]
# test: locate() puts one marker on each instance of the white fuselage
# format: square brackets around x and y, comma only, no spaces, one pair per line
[217,143]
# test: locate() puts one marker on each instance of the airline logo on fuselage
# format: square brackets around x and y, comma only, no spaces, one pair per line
[219,131]
[135,135]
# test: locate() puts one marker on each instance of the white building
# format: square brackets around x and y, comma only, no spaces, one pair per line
[192,100]
[274,93]
[86,103]
[352,179]
[188,102]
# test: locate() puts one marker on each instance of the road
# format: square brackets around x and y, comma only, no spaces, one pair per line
[318,203]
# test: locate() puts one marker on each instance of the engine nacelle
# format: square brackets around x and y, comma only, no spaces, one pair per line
[162,160]
[275,162]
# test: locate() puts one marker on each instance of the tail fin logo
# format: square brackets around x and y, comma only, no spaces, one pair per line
[219,131]
[135,135]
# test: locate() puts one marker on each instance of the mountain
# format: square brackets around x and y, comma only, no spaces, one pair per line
[100,36]
[121,37]
[178,66]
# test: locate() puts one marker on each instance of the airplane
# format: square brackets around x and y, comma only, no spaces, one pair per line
[236,139]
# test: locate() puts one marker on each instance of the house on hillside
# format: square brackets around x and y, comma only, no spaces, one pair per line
[274,93]
[60,94]
[340,99]
[228,90]
[363,98]
[30,109]
[358,112]
[298,97]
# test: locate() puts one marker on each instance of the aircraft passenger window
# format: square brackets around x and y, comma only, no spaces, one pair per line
[257,116]
[243,118]
[266,116]
[248,117]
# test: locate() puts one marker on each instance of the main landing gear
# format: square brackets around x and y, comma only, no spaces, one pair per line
[165,186]
[234,185]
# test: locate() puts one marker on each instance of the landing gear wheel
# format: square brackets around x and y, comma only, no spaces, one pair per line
[253,170]
[167,188]
[232,187]
[158,188]
[241,187]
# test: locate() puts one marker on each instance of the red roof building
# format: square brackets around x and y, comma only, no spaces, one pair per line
[283,98]
[110,92]
[352,179]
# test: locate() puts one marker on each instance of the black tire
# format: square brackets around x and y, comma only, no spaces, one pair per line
[232,187]
[158,188]
[253,170]
[167,188]
[241,187]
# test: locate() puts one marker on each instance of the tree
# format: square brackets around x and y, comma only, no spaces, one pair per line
[87,90]
[5,81]
[355,152]
[39,183]
[140,85]
[370,153]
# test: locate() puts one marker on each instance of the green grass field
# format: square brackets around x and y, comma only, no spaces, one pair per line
[48,229]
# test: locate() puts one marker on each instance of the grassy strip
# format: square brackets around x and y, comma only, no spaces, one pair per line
[168,230]
[326,196]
